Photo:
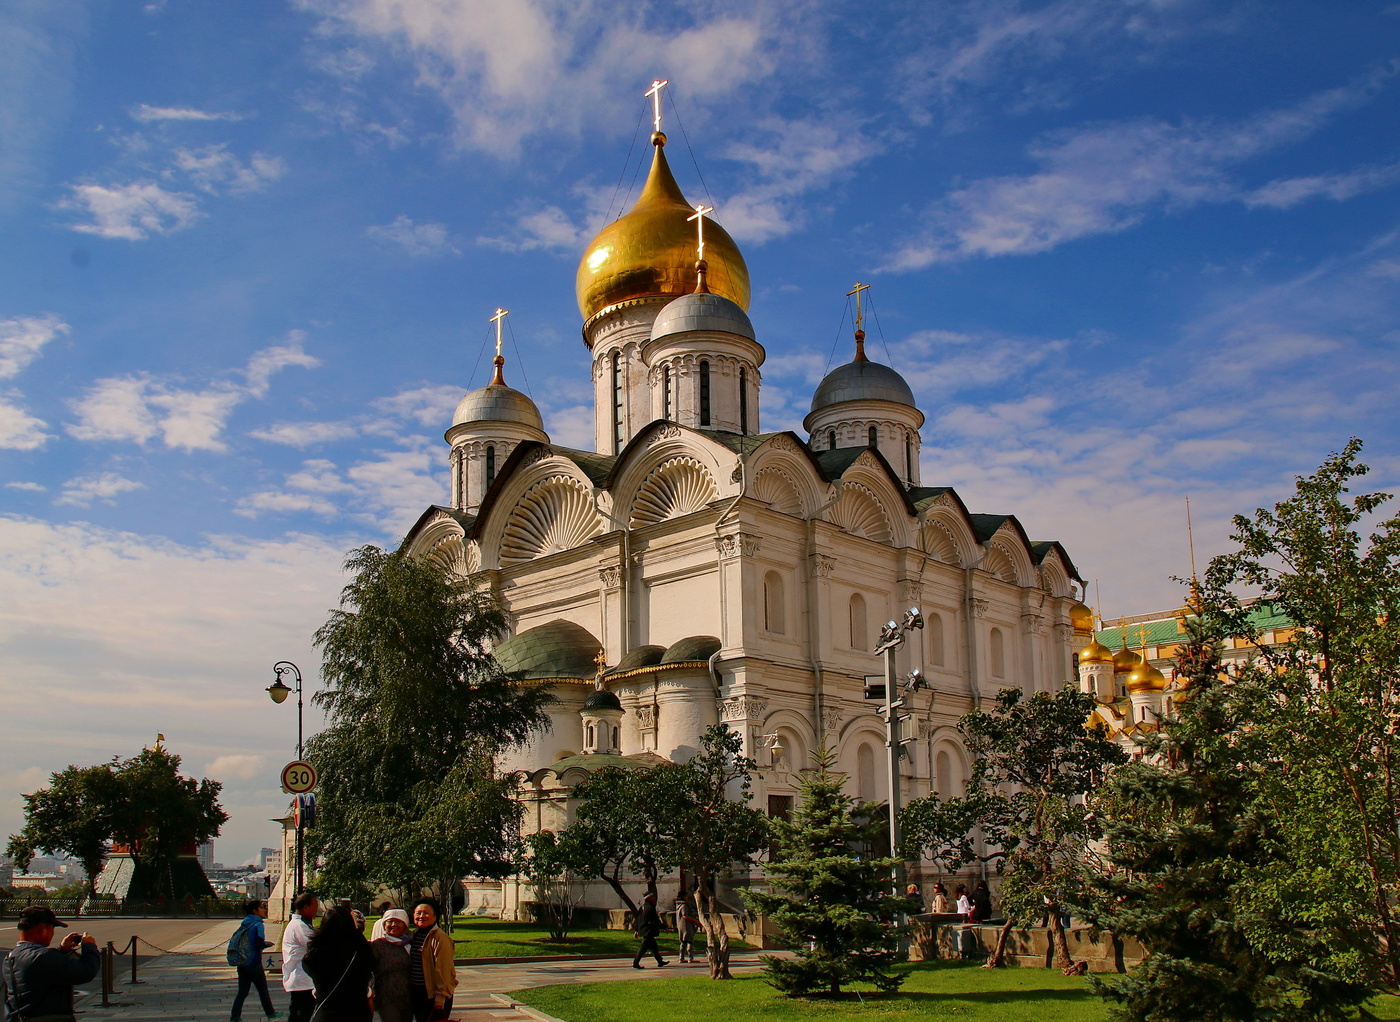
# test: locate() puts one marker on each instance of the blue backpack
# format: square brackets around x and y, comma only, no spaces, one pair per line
[240,946]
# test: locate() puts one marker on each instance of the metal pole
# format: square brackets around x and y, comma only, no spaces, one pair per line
[892,741]
[301,812]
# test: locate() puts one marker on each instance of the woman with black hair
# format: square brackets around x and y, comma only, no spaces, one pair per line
[432,977]
[338,962]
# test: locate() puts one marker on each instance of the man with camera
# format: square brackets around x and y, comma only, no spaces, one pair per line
[39,979]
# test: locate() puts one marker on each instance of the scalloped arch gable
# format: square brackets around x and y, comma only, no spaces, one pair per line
[678,486]
[774,487]
[554,514]
[860,513]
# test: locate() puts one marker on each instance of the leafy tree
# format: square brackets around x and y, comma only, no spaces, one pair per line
[556,866]
[417,705]
[833,905]
[617,832]
[1326,708]
[73,815]
[1034,762]
[708,826]
[143,802]
[1186,829]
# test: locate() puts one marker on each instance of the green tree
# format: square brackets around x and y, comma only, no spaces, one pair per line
[555,867]
[73,815]
[417,706]
[708,826]
[617,832]
[1326,707]
[1034,763]
[833,904]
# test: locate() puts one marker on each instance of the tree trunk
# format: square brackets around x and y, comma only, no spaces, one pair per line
[613,882]
[1063,961]
[999,955]
[716,937]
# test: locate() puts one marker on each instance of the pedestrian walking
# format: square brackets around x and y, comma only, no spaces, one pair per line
[647,929]
[338,962]
[432,977]
[389,953]
[938,904]
[39,979]
[251,937]
[686,927]
[295,936]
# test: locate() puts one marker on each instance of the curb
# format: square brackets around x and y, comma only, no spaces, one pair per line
[530,959]
[524,1009]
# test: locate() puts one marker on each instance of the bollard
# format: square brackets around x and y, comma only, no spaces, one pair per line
[107,954]
[133,959]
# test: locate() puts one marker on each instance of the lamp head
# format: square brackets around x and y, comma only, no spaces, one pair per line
[913,618]
[915,681]
[278,691]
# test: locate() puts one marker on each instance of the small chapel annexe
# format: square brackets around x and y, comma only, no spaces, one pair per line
[724,573]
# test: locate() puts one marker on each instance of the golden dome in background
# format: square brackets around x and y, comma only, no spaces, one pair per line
[1082,619]
[1125,660]
[1146,678]
[1095,653]
[650,250]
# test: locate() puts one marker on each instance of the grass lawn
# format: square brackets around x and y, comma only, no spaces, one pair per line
[935,990]
[482,937]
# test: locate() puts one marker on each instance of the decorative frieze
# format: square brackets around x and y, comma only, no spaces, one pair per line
[646,716]
[911,592]
[667,432]
[782,442]
[610,575]
[823,565]
[743,708]
[980,607]
[737,543]
[536,456]
[927,729]
[831,718]
[1064,631]
[1033,624]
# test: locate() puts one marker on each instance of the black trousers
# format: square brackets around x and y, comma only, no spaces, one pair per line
[301,1006]
[423,1010]
[251,976]
[648,946]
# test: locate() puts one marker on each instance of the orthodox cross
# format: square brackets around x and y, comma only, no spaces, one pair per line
[699,217]
[860,317]
[655,93]
[500,315]
[602,661]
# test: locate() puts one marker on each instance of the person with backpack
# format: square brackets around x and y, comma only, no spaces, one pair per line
[244,951]
[38,978]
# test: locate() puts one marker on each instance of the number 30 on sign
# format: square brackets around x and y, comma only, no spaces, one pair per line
[298,777]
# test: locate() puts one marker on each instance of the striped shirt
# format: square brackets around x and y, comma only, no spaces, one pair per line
[415,958]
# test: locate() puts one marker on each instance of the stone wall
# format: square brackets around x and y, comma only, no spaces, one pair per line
[946,936]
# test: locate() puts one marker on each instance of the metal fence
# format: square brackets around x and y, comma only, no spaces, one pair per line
[205,908]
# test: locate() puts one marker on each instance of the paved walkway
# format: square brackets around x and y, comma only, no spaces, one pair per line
[195,984]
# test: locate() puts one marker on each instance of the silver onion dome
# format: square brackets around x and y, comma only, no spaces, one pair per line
[701,311]
[862,380]
[497,403]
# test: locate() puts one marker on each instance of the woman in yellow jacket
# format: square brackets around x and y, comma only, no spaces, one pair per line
[432,978]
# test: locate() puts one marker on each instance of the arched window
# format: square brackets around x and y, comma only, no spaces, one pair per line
[908,461]
[460,463]
[490,465]
[704,393]
[943,775]
[774,609]
[617,400]
[860,635]
[933,639]
[865,773]
[588,736]
[831,440]
[997,646]
[744,402]
[872,437]
[665,392]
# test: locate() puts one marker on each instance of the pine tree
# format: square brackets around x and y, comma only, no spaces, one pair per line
[831,901]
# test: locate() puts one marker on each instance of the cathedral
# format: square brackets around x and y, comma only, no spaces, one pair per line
[694,569]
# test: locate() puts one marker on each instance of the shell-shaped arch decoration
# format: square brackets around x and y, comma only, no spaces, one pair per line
[938,542]
[776,490]
[676,487]
[859,513]
[449,555]
[999,564]
[554,514]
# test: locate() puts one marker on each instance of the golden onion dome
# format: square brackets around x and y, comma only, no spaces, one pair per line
[1095,653]
[650,251]
[1124,661]
[1146,678]
[1082,619]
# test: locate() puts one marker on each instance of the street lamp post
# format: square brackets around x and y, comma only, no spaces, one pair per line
[279,690]
[892,636]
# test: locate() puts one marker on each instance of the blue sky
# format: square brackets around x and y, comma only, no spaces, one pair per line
[1124,251]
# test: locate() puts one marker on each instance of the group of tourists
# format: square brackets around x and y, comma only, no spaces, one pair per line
[402,972]
[974,907]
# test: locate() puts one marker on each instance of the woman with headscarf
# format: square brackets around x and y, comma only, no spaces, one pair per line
[389,949]
[432,978]
[338,962]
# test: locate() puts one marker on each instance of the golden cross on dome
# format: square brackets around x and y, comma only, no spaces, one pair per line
[500,315]
[1142,637]
[699,217]
[860,316]
[602,661]
[655,93]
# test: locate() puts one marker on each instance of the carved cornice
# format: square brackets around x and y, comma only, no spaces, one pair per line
[911,591]
[831,718]
[823,565]
[980,607]
[743,708]
[1034,624]
[610,575]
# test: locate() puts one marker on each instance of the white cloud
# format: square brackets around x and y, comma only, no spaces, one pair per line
[104,486]
[238,767]
[28,487]
[133,211]
[1106,178]
[1288,192]
[19,430]
[214,169]
[138,407]
[146,112]
[318,475]
[430,405]
[22,338]
[547,228]
[305,434]
[419,239]
[277,502]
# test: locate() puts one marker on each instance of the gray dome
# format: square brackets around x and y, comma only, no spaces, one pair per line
[497,403]
[862,381]
[701,312]
[691,649]
[601,699]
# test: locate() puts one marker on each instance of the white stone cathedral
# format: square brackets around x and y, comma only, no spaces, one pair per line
[727,574]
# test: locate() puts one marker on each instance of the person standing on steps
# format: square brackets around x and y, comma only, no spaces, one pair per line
[39,979]
[250,972]
[648,928]
[295,938]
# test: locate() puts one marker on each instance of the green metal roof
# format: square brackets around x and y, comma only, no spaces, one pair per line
[1164,630]
[558,649]
[695,647]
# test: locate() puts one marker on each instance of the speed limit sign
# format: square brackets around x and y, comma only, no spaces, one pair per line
[298,777]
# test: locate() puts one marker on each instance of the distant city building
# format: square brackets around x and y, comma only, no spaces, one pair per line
[265,855]
[272,862]
[7,871]
[205,854]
